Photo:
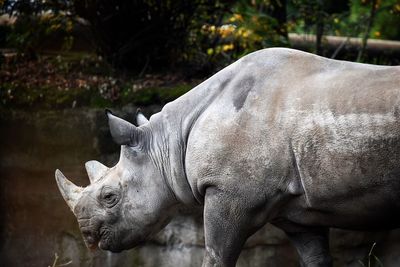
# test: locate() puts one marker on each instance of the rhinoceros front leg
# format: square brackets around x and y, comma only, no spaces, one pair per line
[227,225]
[312,246]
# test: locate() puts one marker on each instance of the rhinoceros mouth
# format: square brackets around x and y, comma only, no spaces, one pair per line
[104,239]
[103,245]
[107,238]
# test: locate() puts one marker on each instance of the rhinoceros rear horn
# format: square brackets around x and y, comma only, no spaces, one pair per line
[123,132]
[70,192]
[95,170]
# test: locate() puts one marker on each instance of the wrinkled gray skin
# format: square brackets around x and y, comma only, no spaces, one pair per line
[280,136]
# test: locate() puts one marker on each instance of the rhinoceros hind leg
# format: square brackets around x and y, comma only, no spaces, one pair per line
[312,246]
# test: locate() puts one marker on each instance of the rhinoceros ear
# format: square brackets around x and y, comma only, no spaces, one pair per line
[140,118]
[123,132]
[95,170]
[70,192]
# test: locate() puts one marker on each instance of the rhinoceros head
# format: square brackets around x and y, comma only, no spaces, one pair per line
[124,204]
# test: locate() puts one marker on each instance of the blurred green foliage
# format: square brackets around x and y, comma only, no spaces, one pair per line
[196,36]
[29,32]
[70,80]
[190,38]
[35,22]
[387,21]
[248,27]
[346,17]
[147,35]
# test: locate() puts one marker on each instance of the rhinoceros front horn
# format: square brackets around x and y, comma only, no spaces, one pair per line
[123,132]
[70,192]
[95,170]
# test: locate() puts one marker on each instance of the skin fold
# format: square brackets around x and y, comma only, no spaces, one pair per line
[280,136]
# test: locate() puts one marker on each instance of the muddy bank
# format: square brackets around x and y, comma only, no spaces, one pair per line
[35,222]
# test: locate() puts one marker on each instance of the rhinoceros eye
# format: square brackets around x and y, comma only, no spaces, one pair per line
[109,197]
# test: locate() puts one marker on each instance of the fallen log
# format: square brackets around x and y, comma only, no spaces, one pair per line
[334,43]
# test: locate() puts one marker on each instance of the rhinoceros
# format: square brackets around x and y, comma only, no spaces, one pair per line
[280,136]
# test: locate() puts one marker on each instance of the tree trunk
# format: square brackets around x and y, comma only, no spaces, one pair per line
[367,30]
[319,32]
[279,13]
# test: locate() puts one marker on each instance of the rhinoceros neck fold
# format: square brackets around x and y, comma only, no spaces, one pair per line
[175,122]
